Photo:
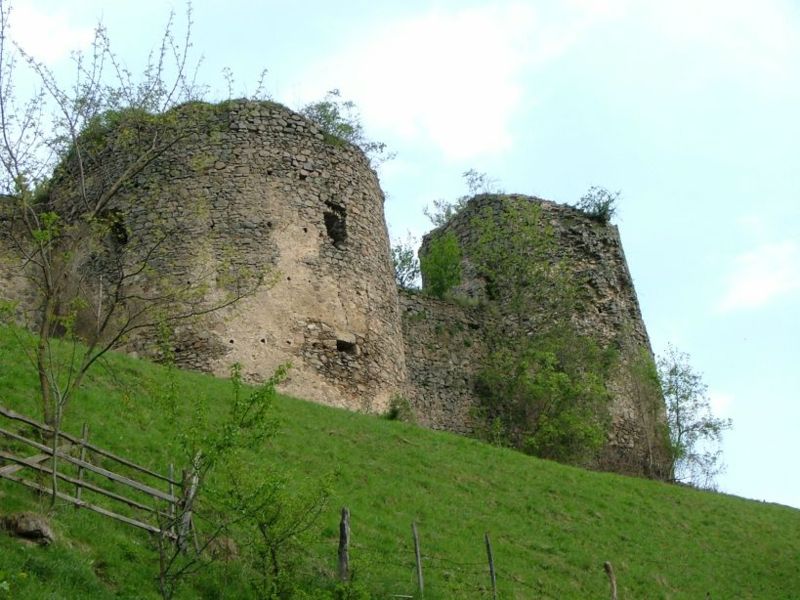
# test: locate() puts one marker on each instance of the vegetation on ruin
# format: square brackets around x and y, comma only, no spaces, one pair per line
[542,389]
[340,123]
[694,432]
[551,526]
[548,397]
[441,211]
[440,265]
[599,203]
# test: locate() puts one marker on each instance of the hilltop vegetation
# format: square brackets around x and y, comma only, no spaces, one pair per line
[552,526]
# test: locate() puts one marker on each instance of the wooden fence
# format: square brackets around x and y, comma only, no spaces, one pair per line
[344,563]
[157,507]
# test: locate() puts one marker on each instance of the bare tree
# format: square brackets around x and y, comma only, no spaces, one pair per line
[406,263]
[695,433]
[67,154]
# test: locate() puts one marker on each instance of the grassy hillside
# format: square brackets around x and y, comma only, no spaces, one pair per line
[552,526]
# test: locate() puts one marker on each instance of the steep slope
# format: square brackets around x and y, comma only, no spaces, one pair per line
[552,527]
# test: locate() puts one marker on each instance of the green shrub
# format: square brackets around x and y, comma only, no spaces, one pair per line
[549,398]
[400,409]
[441,265]
[340,122]
[443,211]
[599,203]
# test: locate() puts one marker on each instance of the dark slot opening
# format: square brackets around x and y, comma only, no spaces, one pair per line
[336,224]
[346,347]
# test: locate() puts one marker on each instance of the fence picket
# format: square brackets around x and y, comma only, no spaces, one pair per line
[21,463]
[612,579]
[492,574]
[156,493]
[98,509]
[418,557]
[344,544]
[10,414]
[84,439]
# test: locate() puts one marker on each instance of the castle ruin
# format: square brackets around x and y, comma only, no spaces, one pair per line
[261,188]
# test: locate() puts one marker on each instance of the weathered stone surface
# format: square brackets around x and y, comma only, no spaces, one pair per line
[443,366]
[14,286]
[29,526]
[444,348]
[262,193]
[258,189]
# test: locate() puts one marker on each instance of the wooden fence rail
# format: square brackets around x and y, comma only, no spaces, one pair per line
[165,505]
[10,414]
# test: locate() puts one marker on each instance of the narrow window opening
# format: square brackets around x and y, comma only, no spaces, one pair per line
[347,347]
[120,232]
[336,224]
[117,230]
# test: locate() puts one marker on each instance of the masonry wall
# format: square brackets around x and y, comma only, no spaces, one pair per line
[593,256]
[14,287]
[256,188]
[444,348]
[253,188]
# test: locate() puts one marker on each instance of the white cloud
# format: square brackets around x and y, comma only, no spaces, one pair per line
[454,79]
[720,402]
[756,36]
[761,275]
[46,34]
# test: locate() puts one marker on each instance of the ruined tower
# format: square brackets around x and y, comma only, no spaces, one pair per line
[448,342]
[253,190]
[256,188]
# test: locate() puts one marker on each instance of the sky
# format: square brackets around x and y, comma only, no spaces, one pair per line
[689,108]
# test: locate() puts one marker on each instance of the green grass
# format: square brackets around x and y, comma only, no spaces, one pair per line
[552,527]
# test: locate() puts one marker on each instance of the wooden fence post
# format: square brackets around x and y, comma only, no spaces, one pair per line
[491,565]
[612,579]
[418,556]
[172,510]
[191,480]
[84,441]
[344,544]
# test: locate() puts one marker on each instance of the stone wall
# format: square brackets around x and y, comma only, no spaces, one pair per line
[253,188]
[444,347]
[15,287]
[592,255]
[257,188]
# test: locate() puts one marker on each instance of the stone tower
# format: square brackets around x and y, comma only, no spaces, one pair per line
[447,343]
[250,189]
[258,188]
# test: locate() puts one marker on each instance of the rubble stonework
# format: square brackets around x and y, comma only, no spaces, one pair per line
[258,187]
[444,348]
[592,253]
